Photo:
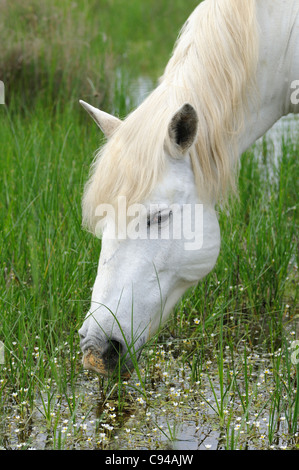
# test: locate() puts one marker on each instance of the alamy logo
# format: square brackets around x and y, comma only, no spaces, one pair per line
[156,222]
[295,94]
[2,93]
[2,358]
[295,353]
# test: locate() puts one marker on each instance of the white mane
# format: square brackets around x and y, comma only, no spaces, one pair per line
[213,67]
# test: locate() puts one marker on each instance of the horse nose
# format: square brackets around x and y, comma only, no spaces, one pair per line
[82,333]
[106,357]
[112,354]
[108,349]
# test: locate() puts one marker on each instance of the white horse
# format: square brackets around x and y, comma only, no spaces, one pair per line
[233,73]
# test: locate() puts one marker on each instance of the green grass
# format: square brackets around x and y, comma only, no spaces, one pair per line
[224,334]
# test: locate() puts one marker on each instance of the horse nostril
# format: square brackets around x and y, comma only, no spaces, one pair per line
[82,335]
[113,353]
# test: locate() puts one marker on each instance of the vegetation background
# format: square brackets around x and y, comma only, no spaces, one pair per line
[109,53]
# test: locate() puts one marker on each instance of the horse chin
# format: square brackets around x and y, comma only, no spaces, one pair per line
[95,364]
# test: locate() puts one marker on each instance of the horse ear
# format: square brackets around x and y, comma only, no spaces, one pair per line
[107,123]
[183,127]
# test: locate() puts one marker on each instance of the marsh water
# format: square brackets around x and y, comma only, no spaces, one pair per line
[173,410]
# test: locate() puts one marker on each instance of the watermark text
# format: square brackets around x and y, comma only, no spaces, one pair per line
[2,93]
[295,93]
[156,222]
[295,353]
[2,358]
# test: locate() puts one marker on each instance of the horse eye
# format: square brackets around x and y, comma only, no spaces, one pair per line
[158,218]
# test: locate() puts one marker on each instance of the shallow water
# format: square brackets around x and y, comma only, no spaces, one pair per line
[174,411]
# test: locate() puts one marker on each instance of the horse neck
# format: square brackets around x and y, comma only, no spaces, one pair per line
[278,67]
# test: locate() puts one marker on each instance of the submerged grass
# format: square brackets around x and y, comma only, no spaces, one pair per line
[224,371]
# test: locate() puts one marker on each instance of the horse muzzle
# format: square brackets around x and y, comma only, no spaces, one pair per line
[100,365]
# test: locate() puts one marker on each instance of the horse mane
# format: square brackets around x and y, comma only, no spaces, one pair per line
[213,67]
